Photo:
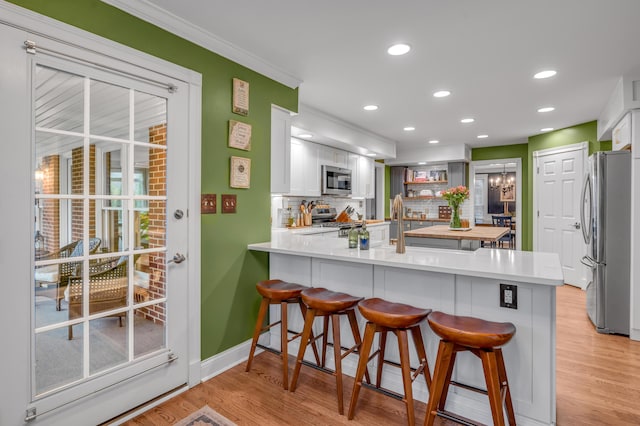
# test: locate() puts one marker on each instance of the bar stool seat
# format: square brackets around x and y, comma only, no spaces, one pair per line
[322,302]
[278,292]
[483,339]
[383,316]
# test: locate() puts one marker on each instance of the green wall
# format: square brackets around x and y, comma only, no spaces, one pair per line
[586,132]
[229,271]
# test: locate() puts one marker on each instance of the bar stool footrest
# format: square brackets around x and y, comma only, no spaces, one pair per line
[457,418]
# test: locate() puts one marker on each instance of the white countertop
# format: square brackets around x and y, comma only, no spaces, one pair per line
[309,230]
[513,265]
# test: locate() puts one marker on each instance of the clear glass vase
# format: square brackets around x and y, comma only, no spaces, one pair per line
[455,217]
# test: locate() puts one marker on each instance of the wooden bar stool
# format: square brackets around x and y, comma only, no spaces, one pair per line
[483,339]
[329,304]
[278,292]
[383,317]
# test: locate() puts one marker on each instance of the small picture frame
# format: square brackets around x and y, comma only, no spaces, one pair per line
[240,97]
[240,172]
[507,193]
[239,135]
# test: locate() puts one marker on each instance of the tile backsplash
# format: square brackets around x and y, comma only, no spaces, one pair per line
[280,203]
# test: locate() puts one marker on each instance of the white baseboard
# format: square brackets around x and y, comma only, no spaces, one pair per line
[634,334]
[223,361]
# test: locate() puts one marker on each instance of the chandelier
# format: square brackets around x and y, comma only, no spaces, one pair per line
[504,184]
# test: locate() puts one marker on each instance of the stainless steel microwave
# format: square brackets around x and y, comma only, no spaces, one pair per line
[336,181]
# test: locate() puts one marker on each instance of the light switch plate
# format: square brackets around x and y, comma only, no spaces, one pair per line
[208,203]
[229,202]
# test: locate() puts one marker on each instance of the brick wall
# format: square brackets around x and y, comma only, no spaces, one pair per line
[157,222]
[77,165]
[50,225]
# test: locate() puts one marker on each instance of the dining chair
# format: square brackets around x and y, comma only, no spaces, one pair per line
[505,222]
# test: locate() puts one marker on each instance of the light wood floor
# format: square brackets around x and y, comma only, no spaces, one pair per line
[598,383]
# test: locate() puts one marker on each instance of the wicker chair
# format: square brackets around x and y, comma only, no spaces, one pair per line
[59,274]
[108,288]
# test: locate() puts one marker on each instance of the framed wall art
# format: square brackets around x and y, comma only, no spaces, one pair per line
[240,97]
[240,173]
[239,135]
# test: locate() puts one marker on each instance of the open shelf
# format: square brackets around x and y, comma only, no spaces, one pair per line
[422,197]
[428,181]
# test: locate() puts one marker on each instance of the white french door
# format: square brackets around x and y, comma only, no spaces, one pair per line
[558,177]
[94,247]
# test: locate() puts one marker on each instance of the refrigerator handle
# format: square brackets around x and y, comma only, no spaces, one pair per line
[589,262]
[586,227]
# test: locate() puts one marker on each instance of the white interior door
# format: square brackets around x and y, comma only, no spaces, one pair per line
[98,159]
[558,178]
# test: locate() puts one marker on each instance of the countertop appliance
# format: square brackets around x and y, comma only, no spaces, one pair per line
[606,222]
[336,181]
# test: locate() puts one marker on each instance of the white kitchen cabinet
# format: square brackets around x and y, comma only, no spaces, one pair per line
[334,157]
[362,176]
[280,150]
[305,168]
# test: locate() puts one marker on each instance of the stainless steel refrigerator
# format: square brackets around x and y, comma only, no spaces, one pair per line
[606,223]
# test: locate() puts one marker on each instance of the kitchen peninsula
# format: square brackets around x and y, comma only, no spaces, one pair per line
[452,281]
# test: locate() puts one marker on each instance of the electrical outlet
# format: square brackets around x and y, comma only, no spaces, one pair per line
[207,203]
[508,296]
[229,203]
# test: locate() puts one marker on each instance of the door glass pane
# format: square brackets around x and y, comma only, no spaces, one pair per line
[150,118]
[99,206]
[59,102]
[57,364]
[109,110]
[108,342]
[149,329]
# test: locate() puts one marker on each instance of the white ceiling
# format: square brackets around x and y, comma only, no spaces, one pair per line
[484,52]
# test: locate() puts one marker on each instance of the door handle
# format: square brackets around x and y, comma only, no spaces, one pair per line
[576,225]
[177,258]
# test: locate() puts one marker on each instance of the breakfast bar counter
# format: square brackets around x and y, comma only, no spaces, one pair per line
[453,281]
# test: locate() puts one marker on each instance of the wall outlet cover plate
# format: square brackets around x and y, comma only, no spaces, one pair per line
[229,202]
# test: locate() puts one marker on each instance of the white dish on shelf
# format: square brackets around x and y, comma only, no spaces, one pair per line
[459,229]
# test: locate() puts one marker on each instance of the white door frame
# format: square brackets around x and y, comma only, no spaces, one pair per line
[378,171]
[19,335]
[584,146]
[518,161]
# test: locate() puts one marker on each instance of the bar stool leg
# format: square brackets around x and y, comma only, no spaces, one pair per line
[303,310]
[355,331]
[443,362]
[422,354]
[304,340]
[381,350]
[365,349]
[284,344]
[325,337]
[403,347]
[490,367]
[264,305]
[447,380]
[337,356]
[505,384]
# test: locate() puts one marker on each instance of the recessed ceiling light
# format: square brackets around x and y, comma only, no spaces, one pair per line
[399,49]
[370,107]
[546,129]
[434,141]
[545,74]
[409,129]
[371,154]
[305,135]
[422,163]
[467,120]
[546,109]
[441,94]
[483,136]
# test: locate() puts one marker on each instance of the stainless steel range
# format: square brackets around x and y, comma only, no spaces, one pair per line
[323,216]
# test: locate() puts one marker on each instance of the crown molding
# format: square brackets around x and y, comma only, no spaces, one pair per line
[159,17]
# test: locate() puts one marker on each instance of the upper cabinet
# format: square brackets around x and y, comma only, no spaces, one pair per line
[334,157]
[280,150]
[305,168]
[362,176]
